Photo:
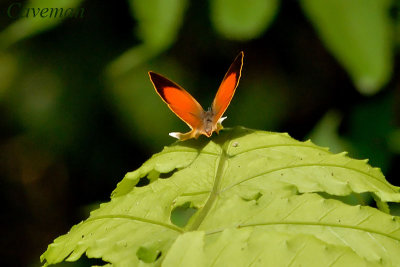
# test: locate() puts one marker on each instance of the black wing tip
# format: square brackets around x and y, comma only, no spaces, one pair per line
[158,78]
[153,75]
[240,56]
[237,64]
[160,83]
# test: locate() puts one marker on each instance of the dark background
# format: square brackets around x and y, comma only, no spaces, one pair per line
[77,110]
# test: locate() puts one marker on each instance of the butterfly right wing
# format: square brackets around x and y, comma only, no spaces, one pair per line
[180,102]
[227,89]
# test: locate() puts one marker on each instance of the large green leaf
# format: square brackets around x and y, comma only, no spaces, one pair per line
[262,199]
[242,20]
[359,34]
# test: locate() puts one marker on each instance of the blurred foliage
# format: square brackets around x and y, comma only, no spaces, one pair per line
[242,20]
[359,34]
[326,131]
[24,28]
[77,110]
[376,118]
[158,22]
[139,107]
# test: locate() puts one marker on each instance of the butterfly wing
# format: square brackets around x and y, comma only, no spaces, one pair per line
[227,88]
[178,100]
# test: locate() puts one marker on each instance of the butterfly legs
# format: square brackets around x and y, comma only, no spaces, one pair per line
[185,136]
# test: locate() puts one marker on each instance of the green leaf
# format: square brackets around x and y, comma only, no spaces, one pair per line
[259,247]
[359,35]
[242,20]
[25,27]
[262,198]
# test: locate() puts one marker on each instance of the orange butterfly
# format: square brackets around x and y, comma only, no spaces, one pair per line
[190,111]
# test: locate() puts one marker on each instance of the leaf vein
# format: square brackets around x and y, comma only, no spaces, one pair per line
[322,224]
[281,145]
[292,261]
[134,218]
[312,165]
[327,213]
[337,259]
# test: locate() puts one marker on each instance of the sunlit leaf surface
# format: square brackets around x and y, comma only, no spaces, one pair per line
[261,198]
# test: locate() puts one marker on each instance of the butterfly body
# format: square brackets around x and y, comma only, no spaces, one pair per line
[206,128]
[190,111]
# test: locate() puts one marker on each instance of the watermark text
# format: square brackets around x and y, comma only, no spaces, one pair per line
[17,10]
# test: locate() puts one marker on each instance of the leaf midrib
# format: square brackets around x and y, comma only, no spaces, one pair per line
[221,161]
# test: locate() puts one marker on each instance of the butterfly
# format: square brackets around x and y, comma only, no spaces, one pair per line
[190,111]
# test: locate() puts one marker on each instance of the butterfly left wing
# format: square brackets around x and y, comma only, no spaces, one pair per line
[226,90]
[180,102]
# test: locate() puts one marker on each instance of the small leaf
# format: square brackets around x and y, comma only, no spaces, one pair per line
[326,132]
[359,34]
[159,20]
[242,20]
[158,23]
[262,198]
